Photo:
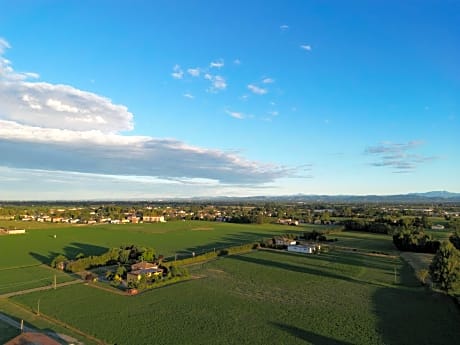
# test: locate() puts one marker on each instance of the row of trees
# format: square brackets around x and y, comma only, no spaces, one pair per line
[121,255]
[415,241]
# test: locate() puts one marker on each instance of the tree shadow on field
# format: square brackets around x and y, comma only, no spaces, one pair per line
[347,258]
[411,314]
[225,242]
[307,336]
[293,268]
[70,252]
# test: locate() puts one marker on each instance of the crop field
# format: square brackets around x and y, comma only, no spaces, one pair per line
[364,241]
[15,279]
[40,245]
[337,298]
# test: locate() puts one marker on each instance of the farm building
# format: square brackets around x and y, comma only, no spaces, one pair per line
[306,249]
[15,231]
[135,276]
[143,265]
[152,219]
[437,227]
[32,338]
[283,241]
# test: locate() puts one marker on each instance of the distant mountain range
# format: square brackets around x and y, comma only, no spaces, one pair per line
[411,198]
[428,197]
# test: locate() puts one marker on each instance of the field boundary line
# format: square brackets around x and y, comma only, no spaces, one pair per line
[41,288]
[107,289]
[58,322]
[18,267]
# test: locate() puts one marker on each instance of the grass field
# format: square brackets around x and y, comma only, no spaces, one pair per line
[337,298]
[15,279]
[39,245]
[364,241]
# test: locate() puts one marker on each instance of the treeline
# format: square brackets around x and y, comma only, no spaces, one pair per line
[415,241]
[378,227]
[408,234]
[455,239]
[317,236]
[121,255]
[244,248]
[387,225]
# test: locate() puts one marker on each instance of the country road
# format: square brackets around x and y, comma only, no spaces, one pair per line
[8,320]
[42,288]
[59,336]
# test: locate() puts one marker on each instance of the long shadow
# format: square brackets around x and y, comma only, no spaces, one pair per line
[11,331]
[355,259]
[293,268]
[310,337]
[409,314]
[228,241]
[41,258]
[70,252]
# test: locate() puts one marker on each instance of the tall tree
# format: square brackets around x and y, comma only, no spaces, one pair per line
[445,267]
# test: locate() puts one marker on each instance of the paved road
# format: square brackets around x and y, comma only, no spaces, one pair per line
[42,288]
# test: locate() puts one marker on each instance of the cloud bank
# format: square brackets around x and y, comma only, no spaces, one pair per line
[53,127]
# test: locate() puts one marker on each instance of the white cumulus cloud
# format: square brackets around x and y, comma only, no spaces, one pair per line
[236,115]
[217,64]
[177,73]
[54,127]
[305,47]
[194,72]
[257,90]
[55,105]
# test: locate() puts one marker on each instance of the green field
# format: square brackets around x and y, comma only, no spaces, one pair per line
[364,241]
[264,297]
[341,297]
[15,279]
[39,245]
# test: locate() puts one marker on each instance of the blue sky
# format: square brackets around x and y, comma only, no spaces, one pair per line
[156,99]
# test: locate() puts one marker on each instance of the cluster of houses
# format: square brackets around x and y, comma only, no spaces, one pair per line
[12,231]
[287,221]
[128,219]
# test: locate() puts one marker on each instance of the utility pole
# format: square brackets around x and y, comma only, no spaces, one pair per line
[38,307]
[395,274]
[54,282]
[22,326]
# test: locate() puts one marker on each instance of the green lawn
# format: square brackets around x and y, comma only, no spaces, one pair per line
[337,298]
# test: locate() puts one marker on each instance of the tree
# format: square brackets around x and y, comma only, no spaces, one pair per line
[445,267]
[121,271]
[455,239]
[58,260]
[422,275]
[148,254]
